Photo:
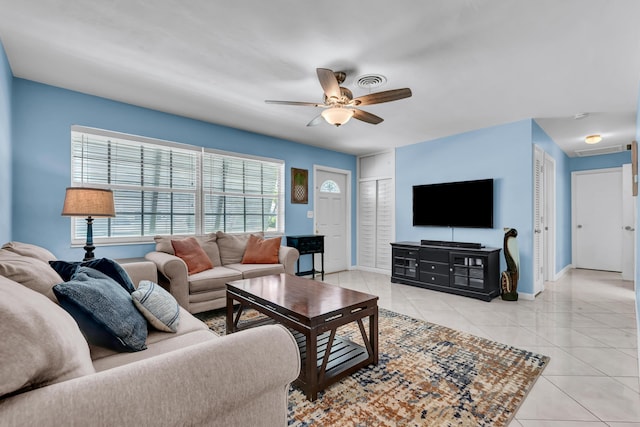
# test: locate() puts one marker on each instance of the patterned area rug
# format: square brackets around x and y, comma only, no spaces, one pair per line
[428,375]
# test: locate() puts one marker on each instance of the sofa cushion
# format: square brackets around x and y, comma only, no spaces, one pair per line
[163,243]
[188,324]
[41,344]
[232,246]
[158,306]
[190,251]
[27,249]
[261,251]
[175,343]
[256,270]
[104,310]
[211,280]
[30,272]
[207,242]
[107,266]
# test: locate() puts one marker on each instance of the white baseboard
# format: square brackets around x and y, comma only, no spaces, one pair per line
[373,270]
[524,296]
[562,272]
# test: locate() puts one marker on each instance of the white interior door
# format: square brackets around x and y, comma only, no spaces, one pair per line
[549,225]
[384,223]
[628,224]
[331,206]
[376,211]
[597,219]
[367,224]
[538,220]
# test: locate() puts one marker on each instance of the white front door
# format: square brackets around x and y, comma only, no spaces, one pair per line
[332,216]
[597,219]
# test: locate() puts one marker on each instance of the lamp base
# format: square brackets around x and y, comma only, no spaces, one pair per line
[88,252]
[89,247]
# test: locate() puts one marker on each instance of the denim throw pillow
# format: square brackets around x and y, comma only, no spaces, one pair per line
[104,265]
[103,309]
[157,305]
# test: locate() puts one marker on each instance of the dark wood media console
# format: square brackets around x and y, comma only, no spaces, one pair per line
[454,267]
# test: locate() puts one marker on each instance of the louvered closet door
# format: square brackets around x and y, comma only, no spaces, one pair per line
[384,223]
[538,220]
[367,224]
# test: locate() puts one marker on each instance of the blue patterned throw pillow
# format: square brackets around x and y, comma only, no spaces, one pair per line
[158,306]
[103,309]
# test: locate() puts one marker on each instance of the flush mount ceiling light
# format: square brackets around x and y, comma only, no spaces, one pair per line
[337,115]
[593,139]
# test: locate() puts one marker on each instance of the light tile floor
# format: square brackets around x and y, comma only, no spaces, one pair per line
[585,322]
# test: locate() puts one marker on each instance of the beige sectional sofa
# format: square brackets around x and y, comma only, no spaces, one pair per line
[207,290]
[51,376]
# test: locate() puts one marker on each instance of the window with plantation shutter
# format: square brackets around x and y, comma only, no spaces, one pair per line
[162,187]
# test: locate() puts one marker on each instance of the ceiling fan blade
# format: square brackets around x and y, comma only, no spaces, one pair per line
[366,117]
[303,104]
[316,120]
[329,83]
[385,96]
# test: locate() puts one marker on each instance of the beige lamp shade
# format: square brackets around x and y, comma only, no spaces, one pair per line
[94,202]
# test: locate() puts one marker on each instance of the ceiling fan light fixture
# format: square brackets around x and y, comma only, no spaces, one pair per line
[593,139]
[337,116]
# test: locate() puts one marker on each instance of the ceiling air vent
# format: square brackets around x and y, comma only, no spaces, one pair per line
[371,81]
[596,151]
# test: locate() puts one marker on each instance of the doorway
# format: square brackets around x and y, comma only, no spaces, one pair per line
[597,219]
[332,197]
[544,212]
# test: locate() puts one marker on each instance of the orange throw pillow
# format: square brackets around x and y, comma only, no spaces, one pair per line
[192,254]
[261,251]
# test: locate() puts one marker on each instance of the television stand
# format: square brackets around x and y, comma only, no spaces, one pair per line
[452,267]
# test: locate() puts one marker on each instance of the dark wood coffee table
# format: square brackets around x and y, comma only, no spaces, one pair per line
[313,311]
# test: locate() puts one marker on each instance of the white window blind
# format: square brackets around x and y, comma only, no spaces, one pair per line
[242,194]
[162,188]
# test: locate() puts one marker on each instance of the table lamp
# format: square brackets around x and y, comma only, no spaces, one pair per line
[90,203]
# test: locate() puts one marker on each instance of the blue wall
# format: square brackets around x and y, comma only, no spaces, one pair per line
[6,90]
[603,161]
[42,118]
[563,195]
[504,153]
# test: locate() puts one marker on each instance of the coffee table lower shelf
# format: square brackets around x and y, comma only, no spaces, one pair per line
[345,358]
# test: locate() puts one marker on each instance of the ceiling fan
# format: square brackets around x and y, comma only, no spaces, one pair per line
[339,104]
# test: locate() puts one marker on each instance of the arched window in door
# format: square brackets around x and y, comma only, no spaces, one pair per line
[330,186]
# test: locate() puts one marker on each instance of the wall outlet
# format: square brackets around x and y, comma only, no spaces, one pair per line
[309,214]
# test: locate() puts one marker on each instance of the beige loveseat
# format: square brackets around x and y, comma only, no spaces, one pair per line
[207,290]
[50,376]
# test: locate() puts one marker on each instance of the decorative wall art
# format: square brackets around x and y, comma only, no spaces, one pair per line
[299,186]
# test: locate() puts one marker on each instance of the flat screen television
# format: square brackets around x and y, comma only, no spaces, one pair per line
[454,204]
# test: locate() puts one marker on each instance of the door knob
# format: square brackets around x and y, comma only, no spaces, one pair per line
[629,228]
[579,225]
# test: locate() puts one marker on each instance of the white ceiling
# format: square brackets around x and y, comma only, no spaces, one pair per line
[470,63]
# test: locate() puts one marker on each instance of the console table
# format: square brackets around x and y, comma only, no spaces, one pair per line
[452,267]
[308,245]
